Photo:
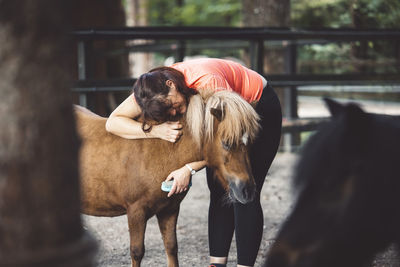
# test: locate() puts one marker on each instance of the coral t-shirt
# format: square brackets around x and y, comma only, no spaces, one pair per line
[221,74]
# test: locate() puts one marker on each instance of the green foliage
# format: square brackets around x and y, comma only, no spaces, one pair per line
[317,58]
[320,13]
[124,3]
[378,13]
[346,13]
[364,56]
[304,13]
[324,58]
[194,13]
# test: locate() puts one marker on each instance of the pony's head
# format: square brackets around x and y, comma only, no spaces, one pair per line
[230,125]
[348,190]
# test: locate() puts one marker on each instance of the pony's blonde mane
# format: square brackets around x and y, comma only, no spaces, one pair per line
[239,117]
[195,118]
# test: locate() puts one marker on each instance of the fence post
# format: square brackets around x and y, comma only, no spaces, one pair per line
[82,70]
[257,55]
[291,140]
[180,51]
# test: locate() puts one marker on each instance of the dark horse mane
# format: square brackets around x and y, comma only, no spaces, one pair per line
[348,186]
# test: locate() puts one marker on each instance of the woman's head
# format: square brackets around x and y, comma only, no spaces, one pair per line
[162,94]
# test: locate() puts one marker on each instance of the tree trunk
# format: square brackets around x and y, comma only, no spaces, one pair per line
[137,16]
[274,13]
[271,13]
[39,190]
[268,13]
[102,14]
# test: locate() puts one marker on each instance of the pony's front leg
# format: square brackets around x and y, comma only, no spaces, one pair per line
[137,226]
[167,222]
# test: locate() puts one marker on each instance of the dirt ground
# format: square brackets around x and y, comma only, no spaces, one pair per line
[276,199]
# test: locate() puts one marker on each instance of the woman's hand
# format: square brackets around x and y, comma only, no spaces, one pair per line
[181,179]
[170,131]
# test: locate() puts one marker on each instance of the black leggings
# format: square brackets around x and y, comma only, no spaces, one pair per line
[246,219]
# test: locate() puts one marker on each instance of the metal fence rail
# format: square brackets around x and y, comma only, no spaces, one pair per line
[255,35]
[242,33]
[254,38]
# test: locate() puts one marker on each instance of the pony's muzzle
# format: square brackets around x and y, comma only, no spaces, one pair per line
[244,192]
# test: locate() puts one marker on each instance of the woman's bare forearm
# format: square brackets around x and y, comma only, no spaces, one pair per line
[197,165]
[121,123]
[126,128]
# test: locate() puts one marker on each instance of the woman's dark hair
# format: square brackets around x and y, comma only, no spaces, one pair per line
[151,91]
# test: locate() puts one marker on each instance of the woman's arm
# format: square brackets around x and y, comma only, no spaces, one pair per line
[121,123]
[182,177]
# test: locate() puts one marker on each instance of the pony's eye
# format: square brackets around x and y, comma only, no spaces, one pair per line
[226,146]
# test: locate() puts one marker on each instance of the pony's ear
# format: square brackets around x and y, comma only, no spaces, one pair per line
[334,107]
[217,113]
[354,123]
[351,111]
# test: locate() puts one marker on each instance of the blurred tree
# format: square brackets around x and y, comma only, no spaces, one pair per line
[40,222]
[268,13]
[138,16]
[102,14]
[262,13]
[273,13]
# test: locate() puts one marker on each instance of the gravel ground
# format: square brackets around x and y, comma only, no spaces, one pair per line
[276,198]
[113,237]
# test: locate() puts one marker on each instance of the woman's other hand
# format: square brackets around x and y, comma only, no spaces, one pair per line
[181,179]
[170,131]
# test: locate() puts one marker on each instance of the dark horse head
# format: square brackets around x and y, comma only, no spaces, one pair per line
[348,182]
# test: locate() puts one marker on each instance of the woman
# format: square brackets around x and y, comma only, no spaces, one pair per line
[164,93]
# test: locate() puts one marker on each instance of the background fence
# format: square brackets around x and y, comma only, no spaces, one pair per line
[182,41]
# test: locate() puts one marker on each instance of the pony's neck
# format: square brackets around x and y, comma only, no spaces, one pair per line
[191,151]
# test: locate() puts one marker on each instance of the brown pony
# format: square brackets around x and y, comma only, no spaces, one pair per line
[121,176]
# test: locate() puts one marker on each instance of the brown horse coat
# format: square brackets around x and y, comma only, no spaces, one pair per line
[112,167]
[121,176]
